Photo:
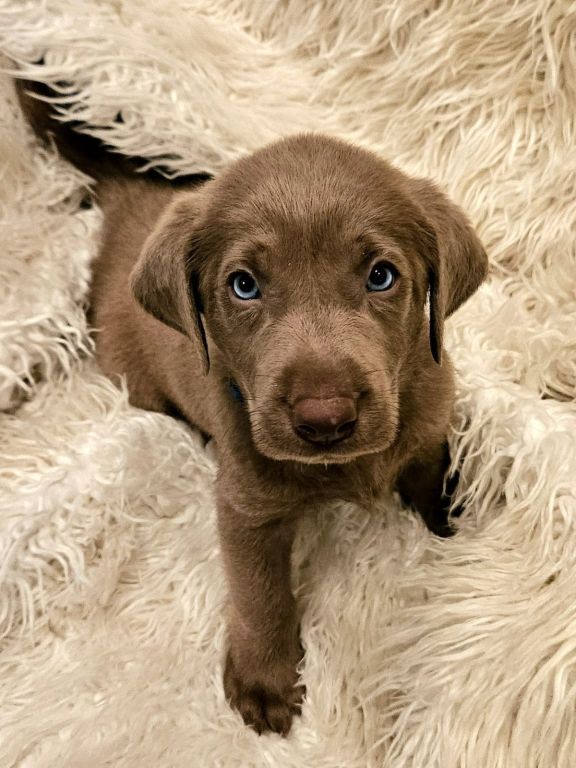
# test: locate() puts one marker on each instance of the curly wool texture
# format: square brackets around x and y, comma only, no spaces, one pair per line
[419,652]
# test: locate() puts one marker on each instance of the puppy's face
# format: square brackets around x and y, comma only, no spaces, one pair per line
[317,339]
[312,261]
[315,310]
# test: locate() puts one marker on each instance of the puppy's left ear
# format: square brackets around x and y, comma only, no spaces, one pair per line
[458,264]
[165,279]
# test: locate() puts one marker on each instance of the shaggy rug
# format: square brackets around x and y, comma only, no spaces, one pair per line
[419,652]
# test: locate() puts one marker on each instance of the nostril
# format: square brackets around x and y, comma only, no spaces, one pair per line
[346,429]
[306,431]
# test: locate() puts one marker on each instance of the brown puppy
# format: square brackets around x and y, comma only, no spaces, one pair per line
[280,308]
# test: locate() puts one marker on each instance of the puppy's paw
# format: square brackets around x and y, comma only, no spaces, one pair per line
[264,706]
[439,524]
[440,521]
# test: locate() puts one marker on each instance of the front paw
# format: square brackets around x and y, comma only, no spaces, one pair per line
[267,702]
[438,522]
[439,519]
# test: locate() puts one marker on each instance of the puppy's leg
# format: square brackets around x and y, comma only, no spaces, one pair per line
[260,678]
[421,484]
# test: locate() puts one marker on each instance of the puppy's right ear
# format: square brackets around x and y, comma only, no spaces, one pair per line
[165,278]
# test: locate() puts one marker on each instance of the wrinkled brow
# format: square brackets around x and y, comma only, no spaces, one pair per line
[375,243]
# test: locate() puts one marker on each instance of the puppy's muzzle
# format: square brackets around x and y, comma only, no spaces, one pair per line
[324,421]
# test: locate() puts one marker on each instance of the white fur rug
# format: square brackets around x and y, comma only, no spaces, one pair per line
[420,653]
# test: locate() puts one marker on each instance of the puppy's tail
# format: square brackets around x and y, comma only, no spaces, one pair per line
[91,155]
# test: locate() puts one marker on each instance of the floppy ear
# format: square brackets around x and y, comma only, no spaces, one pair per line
[457,266]
[164,280]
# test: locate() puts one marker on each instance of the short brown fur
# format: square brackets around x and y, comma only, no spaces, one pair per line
[307,216]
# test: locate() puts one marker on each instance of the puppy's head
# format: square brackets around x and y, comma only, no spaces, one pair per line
[310,263]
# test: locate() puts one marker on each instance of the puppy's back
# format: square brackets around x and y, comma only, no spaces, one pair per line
[128,341]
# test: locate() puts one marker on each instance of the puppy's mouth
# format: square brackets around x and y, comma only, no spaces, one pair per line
[335,453]
[329,455]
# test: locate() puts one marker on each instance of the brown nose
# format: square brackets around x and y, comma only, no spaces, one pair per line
[324,420]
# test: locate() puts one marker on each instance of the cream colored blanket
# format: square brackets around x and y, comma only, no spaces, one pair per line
[419,653]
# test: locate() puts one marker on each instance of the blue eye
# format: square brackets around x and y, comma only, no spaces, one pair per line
[382,277]
[244,286]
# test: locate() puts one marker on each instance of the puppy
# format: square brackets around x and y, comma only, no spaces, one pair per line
[281,309]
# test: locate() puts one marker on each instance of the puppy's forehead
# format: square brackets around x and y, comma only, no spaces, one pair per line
[311,181]
[312,193]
